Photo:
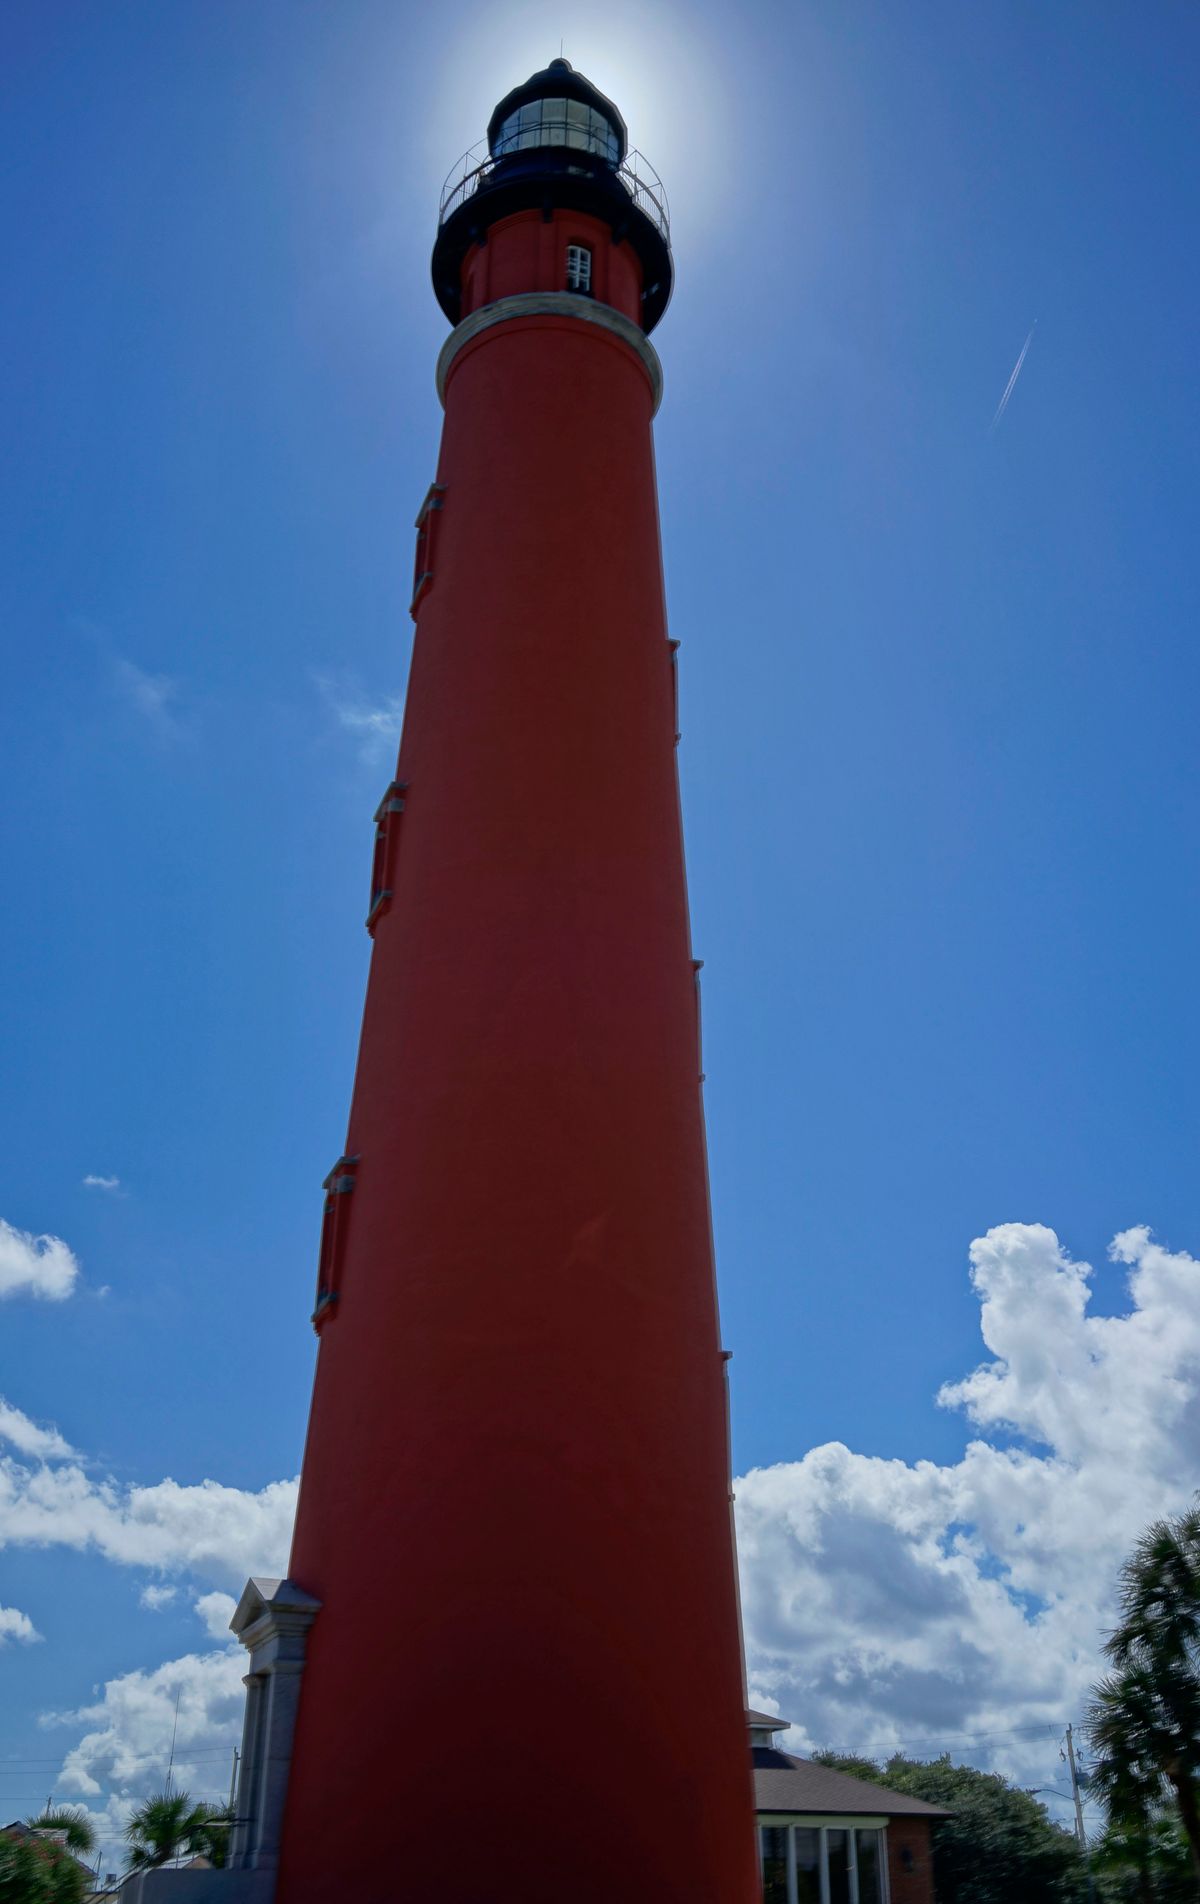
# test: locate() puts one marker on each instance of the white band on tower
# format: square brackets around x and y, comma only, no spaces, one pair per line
[552,304]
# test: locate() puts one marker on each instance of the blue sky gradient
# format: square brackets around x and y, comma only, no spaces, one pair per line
[938,681]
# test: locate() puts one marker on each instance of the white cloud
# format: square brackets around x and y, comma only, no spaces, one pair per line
[151,695]
[221,1534]
[35,1265]
[101,1183]
[886,1603]
[216,1534]
[154,1599]
[45,1444]
[216,1610]
[128,1730]
[889,1603]
[375,725]
[15,1625]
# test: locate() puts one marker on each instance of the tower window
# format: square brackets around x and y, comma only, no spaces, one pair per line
[337,1186]
[426,538]
[579,268]
[383,860]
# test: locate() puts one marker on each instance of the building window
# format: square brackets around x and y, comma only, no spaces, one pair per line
[579,269]
[383,859]
[334,1222]
[837,1858]
[773,1841]
[808,1864]
[868,1851]
[426,539]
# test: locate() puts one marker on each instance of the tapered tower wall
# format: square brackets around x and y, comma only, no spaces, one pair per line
[525,1680]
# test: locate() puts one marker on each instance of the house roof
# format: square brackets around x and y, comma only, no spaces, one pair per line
[770,1720]
[783,1783]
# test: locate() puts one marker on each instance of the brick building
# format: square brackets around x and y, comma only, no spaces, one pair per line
[826,1838]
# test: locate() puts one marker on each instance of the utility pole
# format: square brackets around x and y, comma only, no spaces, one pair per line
[233,1777]
[174,1733]
[1080,1833]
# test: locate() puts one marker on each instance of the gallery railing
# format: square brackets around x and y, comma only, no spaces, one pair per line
[636,174]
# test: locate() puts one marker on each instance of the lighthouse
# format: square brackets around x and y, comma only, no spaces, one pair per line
[509,1641]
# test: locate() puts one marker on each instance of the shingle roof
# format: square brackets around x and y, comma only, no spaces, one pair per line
[770,1719]
[782,1783]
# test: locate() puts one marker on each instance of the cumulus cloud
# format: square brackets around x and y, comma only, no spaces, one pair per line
[221,1534]
[918,1605]
[15,1625]
[892,1604]
[154,1599]
[216,1610]
[375,724]
[128,1730]
[45,1444]
[91,1182]
[35,1265]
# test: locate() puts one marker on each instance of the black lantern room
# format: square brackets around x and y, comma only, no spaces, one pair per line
[556,141]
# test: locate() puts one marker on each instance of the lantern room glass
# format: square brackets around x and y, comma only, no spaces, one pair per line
[563,122]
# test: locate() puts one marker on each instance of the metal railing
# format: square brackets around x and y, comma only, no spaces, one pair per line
[635,172]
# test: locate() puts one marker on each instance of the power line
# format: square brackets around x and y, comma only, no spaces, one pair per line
[1053,1728]
[188,1754]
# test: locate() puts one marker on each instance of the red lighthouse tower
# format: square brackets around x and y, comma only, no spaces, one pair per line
[525,1681]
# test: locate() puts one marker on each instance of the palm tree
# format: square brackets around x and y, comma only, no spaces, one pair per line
[1159,1596]
[169,1825]
[74,1820]
[1148,1864]
[1144,1719]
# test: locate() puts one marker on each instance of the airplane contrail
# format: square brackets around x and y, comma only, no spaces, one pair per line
[1011,385]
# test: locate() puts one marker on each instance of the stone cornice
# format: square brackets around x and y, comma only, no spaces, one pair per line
[552,304]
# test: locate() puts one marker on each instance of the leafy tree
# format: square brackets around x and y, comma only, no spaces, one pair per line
[999,1846]
[851,1764]
[1144,1719]
[1146,1862]
[38,1871]
[169,1825]
[74,1820]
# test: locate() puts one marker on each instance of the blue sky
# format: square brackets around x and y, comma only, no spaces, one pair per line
[939,781]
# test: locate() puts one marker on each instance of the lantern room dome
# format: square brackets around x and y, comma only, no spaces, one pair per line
[558,107]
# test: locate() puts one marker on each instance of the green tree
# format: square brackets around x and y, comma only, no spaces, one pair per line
[998,1846]
[37,1871]
[1144,1862]
[74,1820]
[169,1825]
[1144,1719]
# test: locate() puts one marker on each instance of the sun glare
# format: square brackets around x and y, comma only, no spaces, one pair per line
[659,69]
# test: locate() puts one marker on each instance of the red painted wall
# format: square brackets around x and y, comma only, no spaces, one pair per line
[910,1877]
[529,253]
[525,1682]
